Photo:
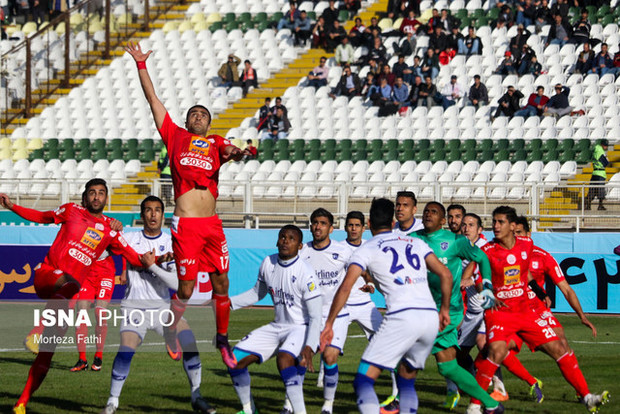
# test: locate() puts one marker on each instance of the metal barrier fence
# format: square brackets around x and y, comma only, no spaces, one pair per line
[270,204]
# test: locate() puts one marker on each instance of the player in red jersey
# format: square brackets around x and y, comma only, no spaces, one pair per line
[510,258]
[83,237]
[198,240]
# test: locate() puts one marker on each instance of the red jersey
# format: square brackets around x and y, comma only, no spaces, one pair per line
[543,264]
[509,272]
[82,238]
[194,160]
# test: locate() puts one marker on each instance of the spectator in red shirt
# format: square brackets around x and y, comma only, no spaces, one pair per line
[535,104]
[248,77]
[252,150]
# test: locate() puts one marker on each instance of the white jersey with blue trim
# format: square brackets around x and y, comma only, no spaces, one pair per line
[144,289]
[417,225]
[290,283]
[330,266]
[398,265]
[357,297]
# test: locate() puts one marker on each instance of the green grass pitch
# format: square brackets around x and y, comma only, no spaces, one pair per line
[157,384]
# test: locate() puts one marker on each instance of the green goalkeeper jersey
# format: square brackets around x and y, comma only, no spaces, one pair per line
[451,249]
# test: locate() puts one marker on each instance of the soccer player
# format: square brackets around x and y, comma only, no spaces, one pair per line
[456,212]
[147,299]
[406,207]
[510,258]
[398,264]
[452,249]
[294,332]
[84,235]
[198,240]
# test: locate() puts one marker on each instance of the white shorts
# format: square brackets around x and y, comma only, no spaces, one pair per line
[266,340]
[473,324]
[340,328]
[398,338]
[367,317]
[141,320]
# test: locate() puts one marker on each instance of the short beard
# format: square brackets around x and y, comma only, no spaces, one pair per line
[91,210]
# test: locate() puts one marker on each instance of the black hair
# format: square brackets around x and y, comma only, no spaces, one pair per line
[381,213]
[475,217]
[321,212]
[198,106]
[294,229]
[438,204]
[522,220]
[457,207]
[354,215]
[247,61]
[149,199]
[93,182]
[509,212]
[408,194]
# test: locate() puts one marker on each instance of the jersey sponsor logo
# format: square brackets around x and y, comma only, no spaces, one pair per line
[444,246]
[199,145]
[311,286]
[195,162]
[122,240]
[511,259]
[531,295]
[57,272]
[542,322]
[509,294]
[80,257]
[59,211]
[512,275]
[92,237]
[106,284]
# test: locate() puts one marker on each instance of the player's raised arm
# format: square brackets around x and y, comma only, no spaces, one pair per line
[28,213]
[157,107]
[573,301]
[445,278]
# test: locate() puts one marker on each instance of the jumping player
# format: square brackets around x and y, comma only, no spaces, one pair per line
[148,294]
[510,258]
[406,207]
[294,333]
[198,240]
[398,264]
[84,235]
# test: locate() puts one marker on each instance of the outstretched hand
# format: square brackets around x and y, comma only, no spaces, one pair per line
[5,201]
[136,52]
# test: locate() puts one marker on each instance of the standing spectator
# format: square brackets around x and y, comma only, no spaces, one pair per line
[302,29]
[410,24]
[427,93]
[349,84]
[264,113]
[543,15]
[278,126]
[356,34]
[517,42]
[581,29]
[252,150]
[438,40]
[478,94]
[407,45]
[165,175]
[558,104]
[330,14]
[335,36]
[400,93]
[248,78]
[39,11]
[229,72]
[471,44]
[559,33]
[398,69]
[288,20]
[526,13]
[414,94]
[508,103]
[344,52]
[451,93]
[430,64]
[585,59]
[535,104]
[602,63]
[319,33]
[386,73]
[318,76]
[599,175]
[506,67]
[560,7]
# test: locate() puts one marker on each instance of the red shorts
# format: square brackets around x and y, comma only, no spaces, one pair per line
[99,284]
[501,326]
[545,313]
[199,245]
[45,277]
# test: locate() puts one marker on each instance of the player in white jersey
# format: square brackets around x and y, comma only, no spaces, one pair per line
[398,265]
[328,259]
[294,332]
[406,207]
[146,304]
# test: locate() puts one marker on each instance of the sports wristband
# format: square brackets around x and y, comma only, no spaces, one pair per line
[141,65]
[371,284]
[537,289]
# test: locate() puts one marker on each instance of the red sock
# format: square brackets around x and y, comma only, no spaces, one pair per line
[516,367]
[36,375]
[570,370]
[484,375]
[177,306]
[37,330]
[81,333]
[222,313]
[101,331]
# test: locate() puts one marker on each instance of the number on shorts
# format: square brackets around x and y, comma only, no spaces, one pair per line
[101,293]
[224,260]
[412,258]
[549,333]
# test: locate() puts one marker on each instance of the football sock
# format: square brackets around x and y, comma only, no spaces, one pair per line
[466,382]
[241,382]
[330,382]
[81,332]
[101,331]
[512,363]
[120,369]
[570,370]
[394,383]
[177,307]
[486,369]
[113,401]
[36,375]
[38,330]
[222,313]
[294,388]
[451,386]
[367,401]
[191,358]
[408,396]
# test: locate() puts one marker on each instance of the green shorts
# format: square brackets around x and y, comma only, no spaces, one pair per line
[449,337]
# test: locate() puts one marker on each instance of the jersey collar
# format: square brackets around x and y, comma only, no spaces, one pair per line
[318,250]
[152,237]
[287,263]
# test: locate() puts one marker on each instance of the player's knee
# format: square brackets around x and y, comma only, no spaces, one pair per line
[185,291]
[219,282]
[330,355]
[448,368]
[361,382]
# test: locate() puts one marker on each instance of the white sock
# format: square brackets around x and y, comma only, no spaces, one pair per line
[394,385]
[498,385]
[113,401]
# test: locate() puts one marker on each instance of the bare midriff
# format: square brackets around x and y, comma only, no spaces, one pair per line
[197,202]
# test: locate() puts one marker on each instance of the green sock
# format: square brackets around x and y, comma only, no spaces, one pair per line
[466,382]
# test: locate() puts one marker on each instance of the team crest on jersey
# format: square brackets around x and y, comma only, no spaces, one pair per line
[444,246]
[92,237]
[511,259]
[161,248]
[99,226]
[524,255]
[293,278]
[335,256]
[199,145]
[311,286]
[512,275]
[534,265]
